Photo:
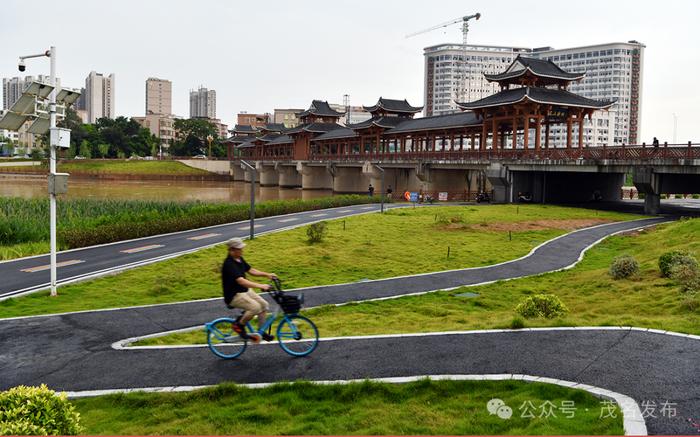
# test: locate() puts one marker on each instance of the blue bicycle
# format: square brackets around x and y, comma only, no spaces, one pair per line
[296,334]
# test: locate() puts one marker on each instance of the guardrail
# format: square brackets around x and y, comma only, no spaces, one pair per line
[624,152]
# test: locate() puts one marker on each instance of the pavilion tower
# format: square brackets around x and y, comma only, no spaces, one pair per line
[533,93]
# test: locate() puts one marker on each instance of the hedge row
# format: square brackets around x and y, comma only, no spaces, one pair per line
[117,231]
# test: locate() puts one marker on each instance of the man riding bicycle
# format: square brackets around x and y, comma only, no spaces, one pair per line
[237,288]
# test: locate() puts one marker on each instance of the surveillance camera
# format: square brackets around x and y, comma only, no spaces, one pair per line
[21,66]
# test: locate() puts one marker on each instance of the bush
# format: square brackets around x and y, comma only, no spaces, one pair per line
[316,232]
[687,276]
[444,219]
[37,411]
[696,196]
[542,305]
[623,267]
[674,258]
[517,323]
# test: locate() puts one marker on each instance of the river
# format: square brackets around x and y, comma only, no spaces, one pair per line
[180,191]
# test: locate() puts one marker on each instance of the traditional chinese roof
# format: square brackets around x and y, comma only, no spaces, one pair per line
[320,108]
[281,139]
[547,71]
[267,138]
[314,128]
[243,129]
[460,119]
[395,106]
[249,142]
[272,127]
[343,132]
[383,122]
[545,96]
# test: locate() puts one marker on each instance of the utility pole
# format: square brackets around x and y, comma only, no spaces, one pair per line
[346,103]
[245,165]
[52,166]
[675,128]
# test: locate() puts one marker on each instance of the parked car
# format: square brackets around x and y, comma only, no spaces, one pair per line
[79,157]
[200,157]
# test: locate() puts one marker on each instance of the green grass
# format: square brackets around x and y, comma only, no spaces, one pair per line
[373,246]
[592,296]
[419,408]
[118,167]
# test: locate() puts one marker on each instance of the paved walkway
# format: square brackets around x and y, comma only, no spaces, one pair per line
[73,351]
[26,275]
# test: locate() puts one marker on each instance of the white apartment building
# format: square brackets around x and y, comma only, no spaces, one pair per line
[614,71]
[99,96]
[203,103]
[159,96]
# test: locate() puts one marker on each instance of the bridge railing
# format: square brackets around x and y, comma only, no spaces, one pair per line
[623,152]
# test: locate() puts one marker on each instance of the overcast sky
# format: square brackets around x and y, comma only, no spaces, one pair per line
[261,55]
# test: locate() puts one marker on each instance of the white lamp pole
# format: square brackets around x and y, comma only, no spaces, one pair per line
[52,167]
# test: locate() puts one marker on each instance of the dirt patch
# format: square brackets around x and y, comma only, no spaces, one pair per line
[538,225]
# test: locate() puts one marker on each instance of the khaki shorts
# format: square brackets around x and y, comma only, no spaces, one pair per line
[250,301]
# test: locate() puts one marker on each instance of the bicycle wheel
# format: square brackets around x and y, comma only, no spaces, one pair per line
[297,335]
[223,341]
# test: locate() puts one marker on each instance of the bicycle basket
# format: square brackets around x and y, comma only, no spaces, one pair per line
[291,303]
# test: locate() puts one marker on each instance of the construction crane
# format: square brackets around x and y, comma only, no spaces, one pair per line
[465,30]
[465,26]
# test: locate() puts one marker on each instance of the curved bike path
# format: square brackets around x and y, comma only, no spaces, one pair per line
[73,351]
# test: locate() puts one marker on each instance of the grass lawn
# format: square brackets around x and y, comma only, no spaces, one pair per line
[371,246]
[124,167]
[418,408]
[592,296]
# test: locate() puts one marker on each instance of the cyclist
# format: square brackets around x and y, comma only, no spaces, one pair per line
[237,288]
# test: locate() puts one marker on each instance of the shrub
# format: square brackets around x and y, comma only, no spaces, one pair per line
[316,232]
[674,258]
[517,323]
[542,305]
[444,219]
[623,267]
[37,411]
[687,276]
[696,196]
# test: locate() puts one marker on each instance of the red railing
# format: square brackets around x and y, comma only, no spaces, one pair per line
[624,152]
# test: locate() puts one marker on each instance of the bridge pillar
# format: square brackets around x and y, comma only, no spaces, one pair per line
[237,172]
[649,183]
[248,175]
[267,174]
[315,177]
[500,180]
[352,180]
[289,177]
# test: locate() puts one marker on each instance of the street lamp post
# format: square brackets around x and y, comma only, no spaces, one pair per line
[51,54]
[253,175]
[209,140]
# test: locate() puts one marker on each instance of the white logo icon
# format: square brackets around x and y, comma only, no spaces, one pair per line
[498,407]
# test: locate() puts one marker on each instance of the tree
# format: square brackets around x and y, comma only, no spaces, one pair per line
[192,138]
[107,138]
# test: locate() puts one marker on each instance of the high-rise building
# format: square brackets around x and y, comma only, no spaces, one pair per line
[203,103]
[99,96]
[159,96]
[614,71]
[12,87]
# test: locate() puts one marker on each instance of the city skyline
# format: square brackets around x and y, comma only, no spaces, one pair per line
[357,65]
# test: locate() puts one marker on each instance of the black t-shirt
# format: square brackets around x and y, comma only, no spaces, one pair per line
[231,271]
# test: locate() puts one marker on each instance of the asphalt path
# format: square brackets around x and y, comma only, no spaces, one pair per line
[30,274]
[74,352]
